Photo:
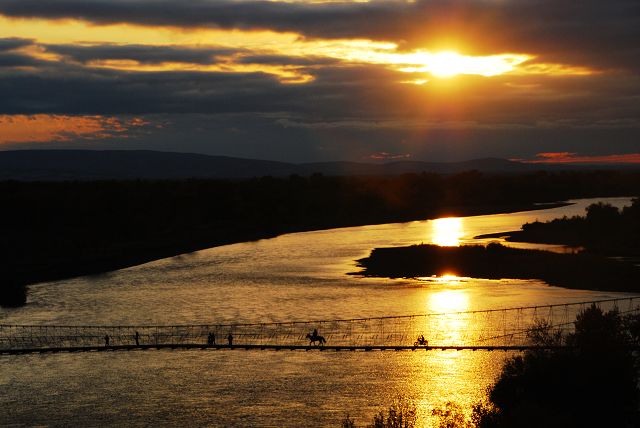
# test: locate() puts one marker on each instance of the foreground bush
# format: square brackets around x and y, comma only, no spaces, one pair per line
[401,414]
[591,383]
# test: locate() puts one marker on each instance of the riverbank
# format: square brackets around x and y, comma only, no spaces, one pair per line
[63,266]
[603,230]
[52,231]
[495,261]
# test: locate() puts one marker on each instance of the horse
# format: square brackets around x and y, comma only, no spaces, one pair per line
[317,338]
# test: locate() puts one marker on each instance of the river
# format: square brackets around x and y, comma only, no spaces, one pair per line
[300,276]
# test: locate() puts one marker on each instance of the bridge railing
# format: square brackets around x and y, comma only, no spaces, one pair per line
[496,327]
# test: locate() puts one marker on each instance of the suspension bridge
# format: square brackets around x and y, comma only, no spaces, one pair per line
[495,329]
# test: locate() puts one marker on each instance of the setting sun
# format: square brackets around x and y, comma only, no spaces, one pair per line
[449,64]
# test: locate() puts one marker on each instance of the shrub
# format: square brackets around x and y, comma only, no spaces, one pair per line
[401,414]
[451,416]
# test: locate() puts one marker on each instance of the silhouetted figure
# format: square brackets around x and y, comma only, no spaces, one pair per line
[315,337]
[230,339]
[106,340]
[211,339]
[137,338]
[421,341]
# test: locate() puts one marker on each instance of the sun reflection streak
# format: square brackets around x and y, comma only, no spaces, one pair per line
[461,370]
[447,232]
[448,329]
[448,301]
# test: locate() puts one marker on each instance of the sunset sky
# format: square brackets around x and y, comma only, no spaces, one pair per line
[306,80]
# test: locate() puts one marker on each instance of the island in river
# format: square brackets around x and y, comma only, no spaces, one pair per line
[604,234]
[496,261]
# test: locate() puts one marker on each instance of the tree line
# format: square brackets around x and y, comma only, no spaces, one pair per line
[604,230]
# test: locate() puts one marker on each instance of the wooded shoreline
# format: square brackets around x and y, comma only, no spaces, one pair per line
[51,231]
[145,252]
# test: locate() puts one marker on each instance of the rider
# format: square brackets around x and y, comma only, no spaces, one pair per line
[315,333]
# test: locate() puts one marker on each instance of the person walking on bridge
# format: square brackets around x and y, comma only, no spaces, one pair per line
[137,338]
[230,339]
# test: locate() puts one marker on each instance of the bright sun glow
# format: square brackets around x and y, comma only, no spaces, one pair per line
[449,64]
[450,327]
[447,232]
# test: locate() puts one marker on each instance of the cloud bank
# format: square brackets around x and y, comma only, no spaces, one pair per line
[307,81]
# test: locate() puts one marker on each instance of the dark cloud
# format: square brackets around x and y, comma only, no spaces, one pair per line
[340,96]
[603,33]
[286,60]
[144,54]
[205,13]
[9,44]
[154,54]
[69,91]
[16,60]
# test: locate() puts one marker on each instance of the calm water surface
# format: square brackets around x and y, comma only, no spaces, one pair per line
[300,276]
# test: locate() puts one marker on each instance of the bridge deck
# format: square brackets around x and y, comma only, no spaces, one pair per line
[193,346]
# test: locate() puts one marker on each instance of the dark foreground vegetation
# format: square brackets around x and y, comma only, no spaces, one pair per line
[603,230]
[592,381]
[495,261]
[56,230]
[401,414]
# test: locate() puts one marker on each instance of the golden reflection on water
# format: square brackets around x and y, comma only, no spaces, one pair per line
[447,231]
[447,329]
[448,301]
[448,375]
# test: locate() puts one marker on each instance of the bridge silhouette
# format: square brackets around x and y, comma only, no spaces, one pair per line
[493,329]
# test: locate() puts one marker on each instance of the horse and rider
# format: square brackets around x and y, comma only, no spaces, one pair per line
[315,337]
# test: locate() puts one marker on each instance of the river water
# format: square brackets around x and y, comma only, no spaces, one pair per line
[301,276]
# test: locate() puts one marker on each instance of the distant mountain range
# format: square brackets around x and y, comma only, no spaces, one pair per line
[56,165]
